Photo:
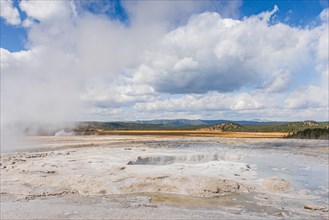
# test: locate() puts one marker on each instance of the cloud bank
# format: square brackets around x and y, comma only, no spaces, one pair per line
[162,62]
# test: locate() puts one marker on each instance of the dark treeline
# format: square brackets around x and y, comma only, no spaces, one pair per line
[315,133]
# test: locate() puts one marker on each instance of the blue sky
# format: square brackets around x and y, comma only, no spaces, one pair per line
[292,12]
[131,60]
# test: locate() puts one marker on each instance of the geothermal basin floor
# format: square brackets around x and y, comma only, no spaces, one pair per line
[148,177]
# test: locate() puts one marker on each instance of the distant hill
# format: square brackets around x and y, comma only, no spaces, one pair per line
[185,124]
[83,126]
[301,125]
[38,128]
[268,127]
[176,122]
[225,126]
[188,122]
[164,124]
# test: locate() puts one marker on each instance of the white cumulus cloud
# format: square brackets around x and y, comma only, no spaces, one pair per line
[45,10]
[221,54]
[9,13]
